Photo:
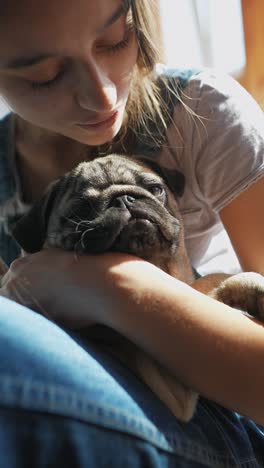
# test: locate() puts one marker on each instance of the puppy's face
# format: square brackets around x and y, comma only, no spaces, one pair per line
[114,203]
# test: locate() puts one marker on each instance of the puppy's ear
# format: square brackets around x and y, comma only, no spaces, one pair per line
[30,230]
[174,179]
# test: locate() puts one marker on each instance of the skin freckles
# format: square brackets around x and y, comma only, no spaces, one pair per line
[90,61]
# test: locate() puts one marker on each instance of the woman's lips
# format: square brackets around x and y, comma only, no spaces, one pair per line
[101,124]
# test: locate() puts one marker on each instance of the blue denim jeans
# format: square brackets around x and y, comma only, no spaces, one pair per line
[66,402]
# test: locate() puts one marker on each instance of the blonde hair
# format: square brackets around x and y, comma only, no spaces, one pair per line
[145,103]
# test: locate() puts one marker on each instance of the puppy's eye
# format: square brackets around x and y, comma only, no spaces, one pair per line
[156,189]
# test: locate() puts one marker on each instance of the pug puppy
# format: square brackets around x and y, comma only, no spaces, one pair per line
[128,204]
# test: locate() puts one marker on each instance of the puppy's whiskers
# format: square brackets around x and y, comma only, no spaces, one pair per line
[82,236]
[76,253]
[80,221]
[76,249]
[78,224]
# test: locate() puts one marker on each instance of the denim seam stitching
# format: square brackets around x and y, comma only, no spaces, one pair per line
[19,393]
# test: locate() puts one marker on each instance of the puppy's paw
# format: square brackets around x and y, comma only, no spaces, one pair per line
[244,291]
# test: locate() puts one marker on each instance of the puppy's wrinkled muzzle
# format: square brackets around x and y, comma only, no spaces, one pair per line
[131,225]
[123,201]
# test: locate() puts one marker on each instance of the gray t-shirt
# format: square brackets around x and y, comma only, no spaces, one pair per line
[217,141]
[219,146]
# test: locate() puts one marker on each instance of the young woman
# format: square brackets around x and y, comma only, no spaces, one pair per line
[81,79]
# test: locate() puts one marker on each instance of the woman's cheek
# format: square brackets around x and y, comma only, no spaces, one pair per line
[36,106]
[123,70]
[18,96]
[12,94]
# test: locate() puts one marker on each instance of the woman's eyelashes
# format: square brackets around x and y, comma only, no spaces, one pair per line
[113,48]
[47,84]
[108,49]
[116,47]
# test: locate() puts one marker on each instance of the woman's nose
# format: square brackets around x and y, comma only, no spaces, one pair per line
[95,91]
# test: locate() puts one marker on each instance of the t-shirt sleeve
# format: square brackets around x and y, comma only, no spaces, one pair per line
[228,140]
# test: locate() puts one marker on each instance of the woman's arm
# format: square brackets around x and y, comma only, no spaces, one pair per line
[243,219]
[211,347]
[215,349]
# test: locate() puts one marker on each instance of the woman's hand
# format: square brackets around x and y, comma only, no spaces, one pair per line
[66,289]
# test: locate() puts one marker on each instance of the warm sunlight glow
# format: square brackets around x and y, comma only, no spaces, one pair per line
[204,33]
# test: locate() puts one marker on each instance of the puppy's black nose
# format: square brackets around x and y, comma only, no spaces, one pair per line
[123,201]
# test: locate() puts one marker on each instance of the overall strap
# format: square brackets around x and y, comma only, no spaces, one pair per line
[9,249]
[7,179]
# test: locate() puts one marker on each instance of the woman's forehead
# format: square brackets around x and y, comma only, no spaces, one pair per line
[37,7]
[41,24]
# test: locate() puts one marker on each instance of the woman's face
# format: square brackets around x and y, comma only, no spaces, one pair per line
[66,66]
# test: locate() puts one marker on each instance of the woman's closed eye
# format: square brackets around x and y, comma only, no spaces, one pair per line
[118,46]
[49,83]
[46,73]
[109,49]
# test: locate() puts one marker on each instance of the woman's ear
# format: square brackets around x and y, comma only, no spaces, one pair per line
[30,230]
